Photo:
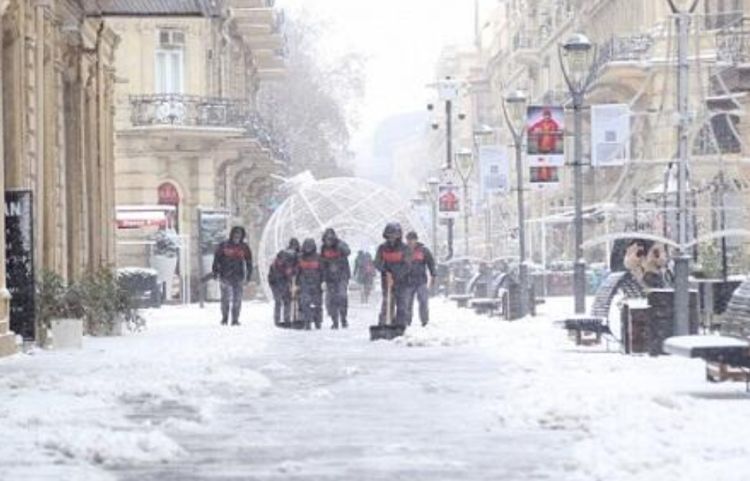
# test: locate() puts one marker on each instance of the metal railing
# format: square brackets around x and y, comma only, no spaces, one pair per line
[733,43]
[628,47]
[196,111]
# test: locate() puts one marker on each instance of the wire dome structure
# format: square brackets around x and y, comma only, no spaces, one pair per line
[355,208]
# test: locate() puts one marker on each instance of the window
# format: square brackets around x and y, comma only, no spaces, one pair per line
[170,56]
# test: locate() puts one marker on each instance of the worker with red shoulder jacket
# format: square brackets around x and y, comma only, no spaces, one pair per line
[334,258]
[281,276]
[393,261]
[422,261]
[310,285]
[233,266]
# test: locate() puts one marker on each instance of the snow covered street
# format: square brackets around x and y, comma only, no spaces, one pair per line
[466,398]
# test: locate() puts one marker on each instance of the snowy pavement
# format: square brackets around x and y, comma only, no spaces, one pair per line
[466,398]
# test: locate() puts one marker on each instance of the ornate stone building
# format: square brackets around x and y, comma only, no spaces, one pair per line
[188,133]
[636,65]
[57,115]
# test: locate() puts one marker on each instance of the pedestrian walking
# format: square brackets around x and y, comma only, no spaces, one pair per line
[422,261]
[364,274]
[393,262]
[334,255]
[310,284]
[281,278]
[233,266]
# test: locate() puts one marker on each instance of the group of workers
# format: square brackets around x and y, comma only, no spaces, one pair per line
[298,273]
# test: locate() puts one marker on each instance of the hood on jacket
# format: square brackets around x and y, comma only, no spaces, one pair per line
[293,244]
[309,247]
[392,230]
[238,230]
[330,237]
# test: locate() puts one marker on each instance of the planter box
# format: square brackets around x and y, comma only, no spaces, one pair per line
[165,267]
[66,333]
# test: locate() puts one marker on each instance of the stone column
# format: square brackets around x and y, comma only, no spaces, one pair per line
[7,337]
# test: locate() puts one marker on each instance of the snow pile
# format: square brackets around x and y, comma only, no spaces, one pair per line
[73,414]
[630,418]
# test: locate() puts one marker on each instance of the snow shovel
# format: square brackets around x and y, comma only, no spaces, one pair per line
[388,330]
[297,323]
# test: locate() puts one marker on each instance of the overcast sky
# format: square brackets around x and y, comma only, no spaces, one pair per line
[402,40]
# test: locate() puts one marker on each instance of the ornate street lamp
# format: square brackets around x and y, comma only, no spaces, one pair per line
[465,168]
[433,185]
[514,109]
[577,57]
[682,10]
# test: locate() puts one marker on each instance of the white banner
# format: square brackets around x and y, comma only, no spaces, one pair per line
[495,170]
[610,135]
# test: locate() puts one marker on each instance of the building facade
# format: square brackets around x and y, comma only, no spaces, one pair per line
[57,114]
[187,130]
[636,67]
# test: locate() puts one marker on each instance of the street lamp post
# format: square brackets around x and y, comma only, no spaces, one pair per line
[682,10]
[430,193]
[465,167]
[514,109]
[576,59]
[448,93]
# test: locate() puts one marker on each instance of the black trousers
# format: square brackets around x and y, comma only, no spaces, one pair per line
[421,294]
[311,308]
[231,299]
[282,303]
[337,300]
[399,304]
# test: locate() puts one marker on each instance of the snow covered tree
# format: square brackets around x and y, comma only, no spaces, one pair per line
[314,109]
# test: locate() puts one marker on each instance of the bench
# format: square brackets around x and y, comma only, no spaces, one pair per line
[597,322]
[727,358]
[461,299]
[490,305]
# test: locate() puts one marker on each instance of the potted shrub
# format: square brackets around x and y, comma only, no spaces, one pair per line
[106,305]
[141,285]
[59,323]
[164,255]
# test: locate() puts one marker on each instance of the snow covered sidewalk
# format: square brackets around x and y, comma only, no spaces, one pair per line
[633,418]
[466,398]
[64,414]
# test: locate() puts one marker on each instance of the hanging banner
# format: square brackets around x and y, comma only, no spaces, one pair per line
[449,201]
[19,258]
[545,129]
[544,174]
[495,170]
[610,135]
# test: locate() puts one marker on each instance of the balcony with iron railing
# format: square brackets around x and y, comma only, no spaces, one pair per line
[177,111]
[733,42]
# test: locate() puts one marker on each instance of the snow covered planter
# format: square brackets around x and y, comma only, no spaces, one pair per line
[106,305]
[165,254]
[59,322]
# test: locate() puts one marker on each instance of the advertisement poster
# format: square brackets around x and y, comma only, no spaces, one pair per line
[449,201]
[545,128]
[610,135]
[19,267]
[495,170]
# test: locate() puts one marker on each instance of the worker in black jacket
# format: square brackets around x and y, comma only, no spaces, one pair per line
[281,277]
[393,261]
[233,266]
[310,284]
[334,259]
[422,261]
